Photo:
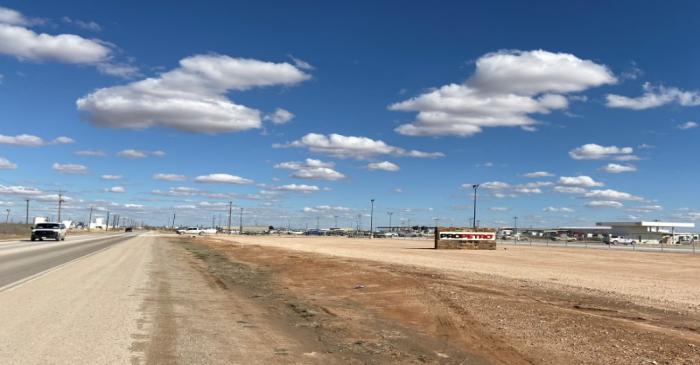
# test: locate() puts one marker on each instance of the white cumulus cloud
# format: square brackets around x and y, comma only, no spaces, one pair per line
[384,165]
[592,151]
[614,168]
[110,177]
[557,210]
[280,116]
[91,153]
[222,179]
[116,189]
[609,194]
[505,89]
[300,188]
[191,97]
[537,174]
[687,125]
[582,180]
[69,168]
[169,177]
[6,164]
[655,96]
[312,169]
[604,204]
[353,147]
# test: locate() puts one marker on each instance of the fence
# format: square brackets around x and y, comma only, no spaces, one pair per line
[661,247]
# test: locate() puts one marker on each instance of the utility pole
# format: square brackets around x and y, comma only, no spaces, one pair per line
[336,221]
[90,219]
[390,214]
[318,227]
[240,223]
[475,187]
[371,219]
[436,219]
[107,223]
[7,218]
[173,220]
[26,220]
[515,219]
[230,206]
[60,202]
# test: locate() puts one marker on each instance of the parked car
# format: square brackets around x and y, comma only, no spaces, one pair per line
[390,234]
[195,231]
[56,231]
[128,229]
[616,240]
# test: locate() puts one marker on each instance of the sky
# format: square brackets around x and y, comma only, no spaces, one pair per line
[564,114]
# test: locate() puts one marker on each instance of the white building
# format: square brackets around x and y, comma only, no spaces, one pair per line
[647,231]
[97,224]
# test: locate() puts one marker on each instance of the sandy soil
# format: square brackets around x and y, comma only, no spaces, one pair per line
[666,280]
[379,312]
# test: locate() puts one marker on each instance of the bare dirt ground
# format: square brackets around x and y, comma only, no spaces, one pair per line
[354,310]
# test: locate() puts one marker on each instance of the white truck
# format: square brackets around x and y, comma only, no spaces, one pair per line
[196,231]
[48,230]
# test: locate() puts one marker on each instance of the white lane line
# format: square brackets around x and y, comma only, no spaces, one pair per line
[28,279]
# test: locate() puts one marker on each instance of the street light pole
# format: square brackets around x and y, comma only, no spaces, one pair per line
[515,219]
[336,221]
[240,228]
[90,219]
[371,220]
[230,207]
[390,214]
[26,220]
[60,201]
[475,187]
[7,218]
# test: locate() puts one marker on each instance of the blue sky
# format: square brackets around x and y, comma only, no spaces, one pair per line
[312,108]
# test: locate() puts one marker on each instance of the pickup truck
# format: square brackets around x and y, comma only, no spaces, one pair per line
[614,240]
[56,231]
[195,231]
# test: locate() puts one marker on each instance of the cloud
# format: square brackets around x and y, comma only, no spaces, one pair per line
[5,164]
[604,204]
[133,206]
[301,63]
[384,165]
[131,153]
[353,147]
[491,185]
[558,210]
[116,189]
[585,181]
[646,209]
[537,174]
[90,153]
[592,151]
[499,209]
[69,168]
[191,97]
[687,125]
[19,190]
[326,209]
[655,96]
[569,190]
[111,177]
[23,43]
[169,177]
[28,140]
[136,154]
[279,116]
[302,188]
[609,194]
[87,25]
[614,168]
[123,70]
[222,179]
[505,89]
[311,169]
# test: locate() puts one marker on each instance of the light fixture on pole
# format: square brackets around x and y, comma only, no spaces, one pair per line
[475,187]
[371,220]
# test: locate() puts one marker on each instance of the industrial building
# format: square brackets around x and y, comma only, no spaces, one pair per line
[648,231]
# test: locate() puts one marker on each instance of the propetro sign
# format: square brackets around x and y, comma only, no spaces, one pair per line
[467,236]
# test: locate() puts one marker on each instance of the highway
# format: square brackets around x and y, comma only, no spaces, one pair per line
[23,260]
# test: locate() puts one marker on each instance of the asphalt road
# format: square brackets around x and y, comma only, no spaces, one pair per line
[22,260]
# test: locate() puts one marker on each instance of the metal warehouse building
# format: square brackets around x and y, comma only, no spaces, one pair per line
[646,231]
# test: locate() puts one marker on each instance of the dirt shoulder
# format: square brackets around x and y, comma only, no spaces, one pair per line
[372,312]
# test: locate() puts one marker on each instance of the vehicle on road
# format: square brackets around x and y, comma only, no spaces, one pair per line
[128,229]
[195,231]
[48,230]
[618,240]
[390,234]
